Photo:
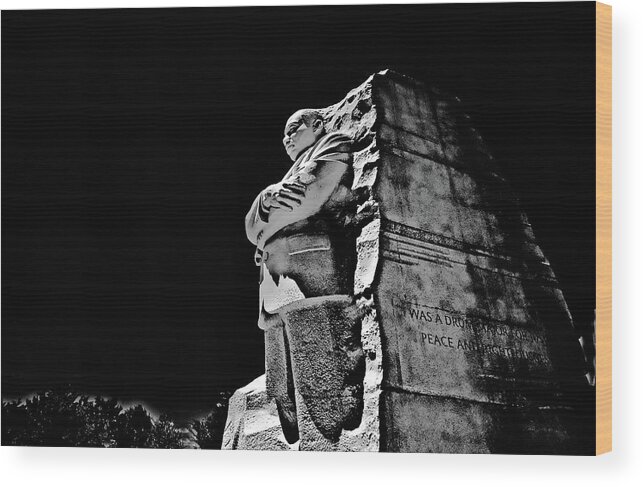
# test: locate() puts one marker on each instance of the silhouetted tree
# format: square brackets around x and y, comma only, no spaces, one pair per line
[66,418]
[165,434]
[208,432]
[134,428]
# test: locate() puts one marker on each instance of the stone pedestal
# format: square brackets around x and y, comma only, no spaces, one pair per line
[469,344]
[253,422]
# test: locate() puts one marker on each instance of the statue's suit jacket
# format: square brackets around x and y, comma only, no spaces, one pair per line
[307,253]
[304,250]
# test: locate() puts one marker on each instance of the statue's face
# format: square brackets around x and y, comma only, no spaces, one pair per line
[298,137]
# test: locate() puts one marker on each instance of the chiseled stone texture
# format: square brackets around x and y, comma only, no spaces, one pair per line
[327,361]
[468,341]
[253,423]
[479,351]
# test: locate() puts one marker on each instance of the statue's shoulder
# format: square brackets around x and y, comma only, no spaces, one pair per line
[336,142]
[333,147]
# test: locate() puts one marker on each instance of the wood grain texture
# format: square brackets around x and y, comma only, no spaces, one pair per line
[603,228]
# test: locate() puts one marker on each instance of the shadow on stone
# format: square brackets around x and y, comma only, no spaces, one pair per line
[328,362]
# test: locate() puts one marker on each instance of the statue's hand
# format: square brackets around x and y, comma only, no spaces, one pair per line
[285,195]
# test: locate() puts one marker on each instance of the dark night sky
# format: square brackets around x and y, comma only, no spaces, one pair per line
[133,142]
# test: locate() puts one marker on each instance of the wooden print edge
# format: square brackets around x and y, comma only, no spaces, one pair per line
[603,228]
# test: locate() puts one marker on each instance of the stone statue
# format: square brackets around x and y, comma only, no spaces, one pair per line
[306,254]
[406,303]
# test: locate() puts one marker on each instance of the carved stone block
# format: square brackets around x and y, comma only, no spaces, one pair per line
[468,343]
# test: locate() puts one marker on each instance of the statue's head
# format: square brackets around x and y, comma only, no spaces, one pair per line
[303,129]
